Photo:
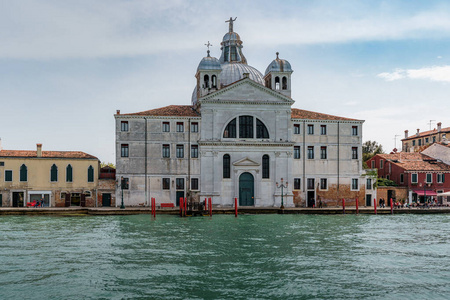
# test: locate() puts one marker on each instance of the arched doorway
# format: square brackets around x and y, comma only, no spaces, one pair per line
[246,190]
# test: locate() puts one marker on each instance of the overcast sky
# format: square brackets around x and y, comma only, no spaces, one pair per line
[67,66]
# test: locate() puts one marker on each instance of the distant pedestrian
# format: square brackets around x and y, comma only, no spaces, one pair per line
[320,203]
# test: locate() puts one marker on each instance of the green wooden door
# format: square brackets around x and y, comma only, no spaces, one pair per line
[246,190]
[179,194]
[106,199]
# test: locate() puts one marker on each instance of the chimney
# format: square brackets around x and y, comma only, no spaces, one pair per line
[418,131]
[118,112]
[406,134]
[39,150]
[439,126]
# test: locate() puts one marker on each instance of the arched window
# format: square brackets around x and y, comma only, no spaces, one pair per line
[90,174]
[277,83]
[54,173]
[23,173]
[265,166]
[284,83]
[69,175]
[246,127]
[206,81]
[261,130]
[226,53]
[214,81]
[230,130]
[226,166]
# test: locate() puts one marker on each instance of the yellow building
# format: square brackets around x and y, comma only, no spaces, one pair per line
[416,142]
[53,178]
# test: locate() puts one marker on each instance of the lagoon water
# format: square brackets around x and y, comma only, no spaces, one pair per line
[249,257]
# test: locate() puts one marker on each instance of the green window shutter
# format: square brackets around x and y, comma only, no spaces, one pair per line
[23,173]
[54,173]
[90,174]
[8,175]
[69,177]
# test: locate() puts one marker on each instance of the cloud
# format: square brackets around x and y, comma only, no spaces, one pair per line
[435,73]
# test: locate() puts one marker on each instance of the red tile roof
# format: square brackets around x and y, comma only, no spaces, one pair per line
[46,154]
[427,133]
[306,114]
[415,161]
[169,111]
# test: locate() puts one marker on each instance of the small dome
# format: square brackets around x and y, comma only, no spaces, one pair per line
[233,72]
[233,36]
[279,65]
[209,63]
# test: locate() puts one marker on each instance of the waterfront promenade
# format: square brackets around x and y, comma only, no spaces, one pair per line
[79,211]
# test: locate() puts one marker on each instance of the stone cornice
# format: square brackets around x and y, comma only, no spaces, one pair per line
[157,117]
[327,121]
[246,143]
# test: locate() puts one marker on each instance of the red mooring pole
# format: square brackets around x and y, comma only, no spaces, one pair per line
[235,207]
[181,206]
[185,207]
[206,204]
[343,205]
[210,207]
[392,207]
[154,207]
[375,205]
[357,206]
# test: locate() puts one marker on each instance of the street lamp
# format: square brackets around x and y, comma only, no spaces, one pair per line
[123,186]
[282,186]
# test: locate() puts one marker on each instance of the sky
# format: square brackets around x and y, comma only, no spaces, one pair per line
[67,66]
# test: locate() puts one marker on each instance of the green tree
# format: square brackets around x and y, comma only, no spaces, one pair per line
[107,164]
[370,149]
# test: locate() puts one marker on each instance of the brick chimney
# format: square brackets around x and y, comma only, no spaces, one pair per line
[418,132]
[118,112]
[439,126]
[406,134]
[39,150]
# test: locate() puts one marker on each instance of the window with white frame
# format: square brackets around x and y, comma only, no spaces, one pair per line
[323,152]
[297,183]
[354,184]
[194,184]
[354,130]
[180,151]
[354,152]
[369,183]
[323,129]
[180,127]
[310,152]
[166,126]
[296,152]
[296,128]
[194,127]
[323,183]
[310,128]
[440,178]
[124,126]
[429,178]
[166,151]
[414,178]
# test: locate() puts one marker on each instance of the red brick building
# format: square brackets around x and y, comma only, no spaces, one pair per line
[424,176]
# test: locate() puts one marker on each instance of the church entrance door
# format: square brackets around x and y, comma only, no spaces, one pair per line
[246,190]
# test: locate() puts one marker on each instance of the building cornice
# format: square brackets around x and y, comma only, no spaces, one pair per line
[246,143]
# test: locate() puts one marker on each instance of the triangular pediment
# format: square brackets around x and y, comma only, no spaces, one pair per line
[246,90]
[246,162]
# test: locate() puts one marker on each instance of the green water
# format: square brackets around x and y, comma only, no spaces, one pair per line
[251,257]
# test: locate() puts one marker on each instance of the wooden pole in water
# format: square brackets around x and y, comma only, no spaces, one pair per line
[154,207]
[181,206]
[357,207]
[235,207]
[210,207]
[343,205]
[375,205]
[392,207]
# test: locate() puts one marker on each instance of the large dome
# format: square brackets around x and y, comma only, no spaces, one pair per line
[233,72]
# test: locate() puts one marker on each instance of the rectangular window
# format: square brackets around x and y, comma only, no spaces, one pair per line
[180,127]
[124,150]
[194,184]
[429,178]
[310,183]
[194,151]
[381,164]
[354,130]
[180,151]
[414,178]
[323,184]
[310,152]
[2,163]
[373,164]
[166,183]
[390,167]
[434,139]
[124,126]
[402,178]
[323,129]
[354,152]
[194,127]
[296,128]
[440,178]
[8,175]
[166,127]
[166,151]
[414,143]
[369,183]
[426,140]
[180,183]
[297,184]
[420,142]
[310,129]
[323,152]
[354,184]
[296,152]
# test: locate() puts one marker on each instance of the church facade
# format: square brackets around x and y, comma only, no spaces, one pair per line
[239,138]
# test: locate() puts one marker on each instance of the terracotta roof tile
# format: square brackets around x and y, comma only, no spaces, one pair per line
[169,111]
[415,161]
[427,133]
[46,154]
[305,114]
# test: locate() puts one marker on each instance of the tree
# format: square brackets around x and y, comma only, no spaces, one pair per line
[107,164]
[370,149]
